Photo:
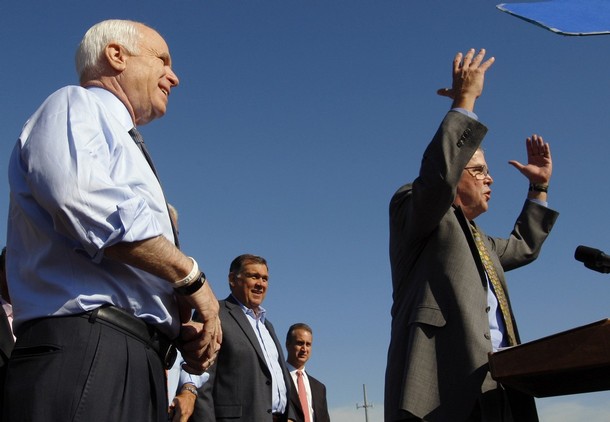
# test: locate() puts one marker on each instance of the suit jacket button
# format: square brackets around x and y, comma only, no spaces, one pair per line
[488,309]
[488,336]
[268,382]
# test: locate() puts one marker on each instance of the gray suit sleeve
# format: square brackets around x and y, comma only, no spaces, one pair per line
[525,241]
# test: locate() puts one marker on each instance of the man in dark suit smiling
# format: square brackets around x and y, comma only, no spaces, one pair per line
[249,382]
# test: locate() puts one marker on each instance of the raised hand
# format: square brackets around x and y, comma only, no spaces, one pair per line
[539,165]
[468,78]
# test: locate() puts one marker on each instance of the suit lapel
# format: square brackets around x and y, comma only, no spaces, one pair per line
[314,395]
[494,258]
[6,335]
[465,224]
[241,319]
[294,398]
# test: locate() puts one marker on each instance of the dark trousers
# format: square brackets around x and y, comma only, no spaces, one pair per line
[492,406]
[497,405]
[504,405]
[71,369]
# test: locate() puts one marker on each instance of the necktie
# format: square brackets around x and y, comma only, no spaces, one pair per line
[303,396]
[497,286]
[139,140]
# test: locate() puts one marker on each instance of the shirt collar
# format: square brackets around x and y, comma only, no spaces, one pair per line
[114,105]
[262,312]
[292,369]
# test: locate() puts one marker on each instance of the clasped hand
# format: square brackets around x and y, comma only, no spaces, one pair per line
[200,341]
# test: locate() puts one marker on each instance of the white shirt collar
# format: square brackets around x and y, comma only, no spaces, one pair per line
[114,105]
[292,369]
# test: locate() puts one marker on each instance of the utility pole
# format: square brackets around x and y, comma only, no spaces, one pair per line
[366,405]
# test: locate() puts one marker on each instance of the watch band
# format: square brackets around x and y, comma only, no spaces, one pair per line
[539,187]
[191,388]
[193,287]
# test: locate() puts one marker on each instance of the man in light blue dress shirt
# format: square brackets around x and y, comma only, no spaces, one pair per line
[96,280]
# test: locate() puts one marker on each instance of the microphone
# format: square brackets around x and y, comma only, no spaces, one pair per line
[594,259]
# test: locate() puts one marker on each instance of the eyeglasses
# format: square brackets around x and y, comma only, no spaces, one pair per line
[478,172]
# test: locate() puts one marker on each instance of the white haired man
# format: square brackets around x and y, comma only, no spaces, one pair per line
[97,282]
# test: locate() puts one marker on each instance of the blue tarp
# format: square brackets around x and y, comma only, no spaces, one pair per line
[566,17]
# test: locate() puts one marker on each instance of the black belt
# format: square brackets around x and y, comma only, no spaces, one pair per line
[139,329]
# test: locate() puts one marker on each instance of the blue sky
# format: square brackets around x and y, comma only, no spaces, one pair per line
[294,123]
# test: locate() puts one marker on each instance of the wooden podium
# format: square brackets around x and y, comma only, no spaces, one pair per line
[570,362]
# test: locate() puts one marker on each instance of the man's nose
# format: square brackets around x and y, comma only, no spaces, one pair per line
[172,77]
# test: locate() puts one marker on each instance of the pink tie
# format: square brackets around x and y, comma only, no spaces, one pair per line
[303,396]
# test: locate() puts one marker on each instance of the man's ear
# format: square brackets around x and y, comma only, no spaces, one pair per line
[232,279]
[115,56]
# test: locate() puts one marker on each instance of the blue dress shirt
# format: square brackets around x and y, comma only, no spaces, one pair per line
[79,184]
[272,357]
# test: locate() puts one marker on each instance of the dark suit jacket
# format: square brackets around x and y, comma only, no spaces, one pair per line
[239,388]
[318,401]
[6,338]
[6,347]
[438,355]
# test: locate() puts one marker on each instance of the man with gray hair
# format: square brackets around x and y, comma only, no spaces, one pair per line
[97,281]
[450,297]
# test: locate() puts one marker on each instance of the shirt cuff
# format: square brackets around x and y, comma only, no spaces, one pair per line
[545,204]
[468,113]
[196,380]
